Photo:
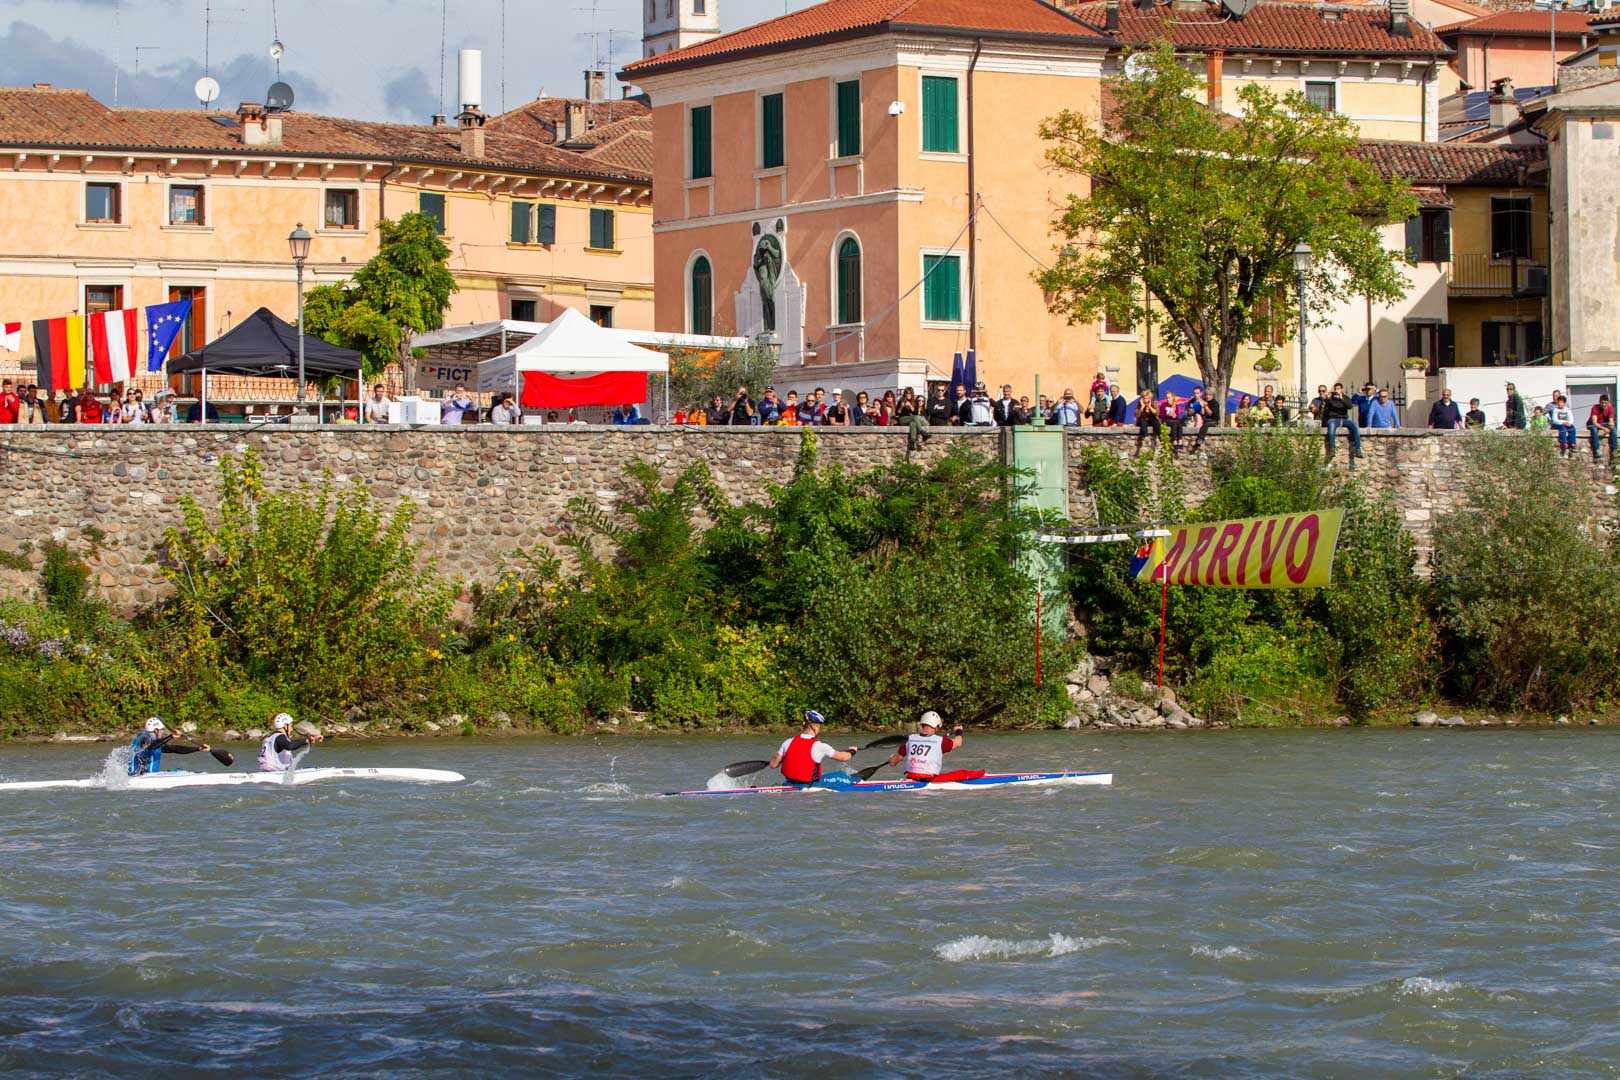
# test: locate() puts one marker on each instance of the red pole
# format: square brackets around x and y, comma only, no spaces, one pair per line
[1164,608]
[1037,636]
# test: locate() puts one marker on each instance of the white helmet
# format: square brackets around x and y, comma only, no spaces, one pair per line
[154,724]
[282,720]
[930,719]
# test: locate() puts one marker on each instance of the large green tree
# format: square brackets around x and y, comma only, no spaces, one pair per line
[1203,209]
[402,290]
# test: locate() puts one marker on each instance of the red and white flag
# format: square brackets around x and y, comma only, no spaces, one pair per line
[114,340]
[11,336]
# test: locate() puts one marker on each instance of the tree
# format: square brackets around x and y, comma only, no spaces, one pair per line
[1204,209]
[695,377]
[402,290]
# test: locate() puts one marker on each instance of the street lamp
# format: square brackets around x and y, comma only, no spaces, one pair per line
[1302,263]
[298,246]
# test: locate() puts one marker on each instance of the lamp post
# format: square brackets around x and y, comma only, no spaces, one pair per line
[1302,263]
[298,246]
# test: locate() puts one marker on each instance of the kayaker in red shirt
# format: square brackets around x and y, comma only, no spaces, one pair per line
[800,757]
[924,753]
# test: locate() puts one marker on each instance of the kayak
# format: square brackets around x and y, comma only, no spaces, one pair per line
[990,781]
[162,781]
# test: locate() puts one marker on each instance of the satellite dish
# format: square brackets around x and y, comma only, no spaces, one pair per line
[1136,64]
[277,49]
[1238,8]
[206,89]
[278,98]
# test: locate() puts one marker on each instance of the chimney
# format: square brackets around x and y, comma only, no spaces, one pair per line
[1111,16]
[1214,78]
[251,115]
[438,119]
[1504,106]
[472,132]
[596,86]
[574,122]
[1400,18]
[470,65]
[628,91]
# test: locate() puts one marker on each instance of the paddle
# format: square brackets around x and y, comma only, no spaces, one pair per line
[224,757]
[745,768]
[979,717]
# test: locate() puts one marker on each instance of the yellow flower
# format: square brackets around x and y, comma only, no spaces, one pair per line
[520,587]
[511,637]
[501,587]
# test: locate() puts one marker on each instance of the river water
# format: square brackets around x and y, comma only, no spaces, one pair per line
[1328,904]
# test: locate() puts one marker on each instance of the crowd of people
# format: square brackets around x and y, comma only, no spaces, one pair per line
[28,404]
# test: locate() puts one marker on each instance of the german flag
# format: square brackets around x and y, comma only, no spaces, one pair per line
[59,352]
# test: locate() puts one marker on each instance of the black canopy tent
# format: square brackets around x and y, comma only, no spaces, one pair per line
[263,345]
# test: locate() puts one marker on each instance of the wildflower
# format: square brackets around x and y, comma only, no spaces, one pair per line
[501,587]
[511,637]
[520,587]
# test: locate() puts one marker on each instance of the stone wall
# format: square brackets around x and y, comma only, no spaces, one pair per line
[485,491]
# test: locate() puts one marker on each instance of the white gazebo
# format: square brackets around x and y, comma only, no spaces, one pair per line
[573,361]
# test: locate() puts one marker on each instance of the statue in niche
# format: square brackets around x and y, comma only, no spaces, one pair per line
[768,272]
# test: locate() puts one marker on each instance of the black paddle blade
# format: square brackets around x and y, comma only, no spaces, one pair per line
[223,757]
[746,768]
[866,774]
[887,740]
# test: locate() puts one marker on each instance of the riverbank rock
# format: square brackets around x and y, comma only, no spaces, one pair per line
[430,727]
[1083,669]
[188,728]
[353,713]
[1098,685]
[306,729]
[1425,719]
[255,733]
[62,736]
[232,735]
[1454,721]
[500,720]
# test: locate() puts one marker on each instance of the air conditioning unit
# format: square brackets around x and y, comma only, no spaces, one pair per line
[1536,280]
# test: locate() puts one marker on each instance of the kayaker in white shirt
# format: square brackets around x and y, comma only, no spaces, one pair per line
[924,753]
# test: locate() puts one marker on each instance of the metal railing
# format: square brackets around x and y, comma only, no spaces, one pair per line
[1515,275]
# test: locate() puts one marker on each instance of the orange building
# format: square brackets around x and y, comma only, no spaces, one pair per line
[1525,46]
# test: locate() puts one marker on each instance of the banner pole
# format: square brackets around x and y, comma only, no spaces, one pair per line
[1164,608]
[1037,636]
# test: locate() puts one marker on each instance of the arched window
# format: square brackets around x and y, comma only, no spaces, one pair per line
[702,296]
[849,281]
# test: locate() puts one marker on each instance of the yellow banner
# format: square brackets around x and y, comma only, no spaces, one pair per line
[1289,551]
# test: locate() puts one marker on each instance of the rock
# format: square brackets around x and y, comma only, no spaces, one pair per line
[454,720]
[353,713]
[340,729]
[431,727]
[1194,722]
[188,728]
[1147,714]
[1165,696]
[500,719]
[1154,720]
[1175,724]
[1118,716]
[1453,721]
[1073,723]
[1425,719]
[1074,691]
[62,736]
[1089,709]
[306,729]
[1083,669]
[1098,685]
[255,733]
[232,735]
[1562,720]
[1342,721]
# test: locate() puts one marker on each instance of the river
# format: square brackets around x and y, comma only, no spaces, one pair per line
[1327,904]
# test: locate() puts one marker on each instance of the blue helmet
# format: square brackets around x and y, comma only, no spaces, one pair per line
[813,717]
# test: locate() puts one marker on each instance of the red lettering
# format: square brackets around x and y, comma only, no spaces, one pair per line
[1223,551]
[1307,525]
[1253,529]
[1201,545]
[1268,553]
[1167,568]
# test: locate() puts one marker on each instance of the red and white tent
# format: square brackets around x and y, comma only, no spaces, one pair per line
[573,362]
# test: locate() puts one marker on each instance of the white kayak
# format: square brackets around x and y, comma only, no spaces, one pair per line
[988,782]
[162,781]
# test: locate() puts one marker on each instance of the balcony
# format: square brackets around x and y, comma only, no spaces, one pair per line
[1483,276]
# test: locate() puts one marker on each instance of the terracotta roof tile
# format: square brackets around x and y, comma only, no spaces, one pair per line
[32,117]
[1518,23]
[544,118]
[1451,162]
[837,19]
[1269,27]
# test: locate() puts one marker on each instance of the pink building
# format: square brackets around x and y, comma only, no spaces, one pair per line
[1524,46]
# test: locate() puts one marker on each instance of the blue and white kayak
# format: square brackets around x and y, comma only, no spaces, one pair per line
[162,781]
[988,782]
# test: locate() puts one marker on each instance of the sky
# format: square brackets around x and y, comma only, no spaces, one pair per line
[365,59]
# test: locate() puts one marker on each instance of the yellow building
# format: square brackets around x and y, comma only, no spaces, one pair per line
[106,208]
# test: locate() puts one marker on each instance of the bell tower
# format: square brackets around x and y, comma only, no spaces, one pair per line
[674,24]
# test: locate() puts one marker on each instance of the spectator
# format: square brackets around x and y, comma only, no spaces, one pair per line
[743,413]
[1097,406]
[981,411]
[625,415]
[1317,402]
[938,410]
[1008,413]
[455,406]
[134,410]
[1261,414]
[1194,415]
[1209,419]
[70,406]
[960,413]
[1170,416]
[886,409]
[790,410]
[1475,417]
[770,407]
[89,408]
[1276,404]
[506,410]
[1044,406]
[1444,414]
[859,413]
[551,417]
[1336,414]
[163,407]
[1244,416]
[1362,399]
[193,414]
[33,409]
[1066,413]
[1024,407]
[53,408]
[1515,409]
[1383,413]
[1116,406]
[908,406]
[10,403]
[837,414]
[1600,425]
[1098,382]
[377,405]
[813,410]
[1147,418]
[1538,419]
[1562,418]
[718,413]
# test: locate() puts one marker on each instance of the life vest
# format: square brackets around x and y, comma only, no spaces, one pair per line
[799,765]
[925,755]
[269,759]
[141,759]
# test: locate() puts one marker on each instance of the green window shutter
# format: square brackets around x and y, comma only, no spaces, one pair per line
[521,212]
[545,226]
[772,153]
[1442,237]
[602,229]
[702,138]
[432,204]
[849,119]
[939,115]
[702,296]
[849,282]
[942,294]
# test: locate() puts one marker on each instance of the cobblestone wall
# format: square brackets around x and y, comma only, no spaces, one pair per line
[485,491]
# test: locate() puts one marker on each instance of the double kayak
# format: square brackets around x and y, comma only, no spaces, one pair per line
[988,782]
[163,781]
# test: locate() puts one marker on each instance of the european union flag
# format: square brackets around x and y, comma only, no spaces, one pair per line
[163,322]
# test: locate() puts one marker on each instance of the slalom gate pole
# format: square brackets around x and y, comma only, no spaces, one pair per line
[1037,636]
[1164,608]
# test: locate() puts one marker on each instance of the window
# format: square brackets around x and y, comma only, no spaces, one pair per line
[849,119]
[432,204]
[652,9]
[1428,237]
[342,208]
[1121,325]
[849,281]
[1509,343]
[1268,321]
[522,221]
[1435,342]
[602,315]
[942,288]
[702,321]
[1322,95]
[186,204]
[602,230]
[939,122]
[700,7]
[103,298]
[771,153]
[194,331]
[102,204]
[1510,227]
[523,310]
[545,224]
[701,122]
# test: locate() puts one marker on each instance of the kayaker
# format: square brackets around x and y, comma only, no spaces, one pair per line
[276,751]
[146,749]
[800,756]
[924,753]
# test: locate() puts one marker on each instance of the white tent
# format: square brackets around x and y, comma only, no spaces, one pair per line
[571,345]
